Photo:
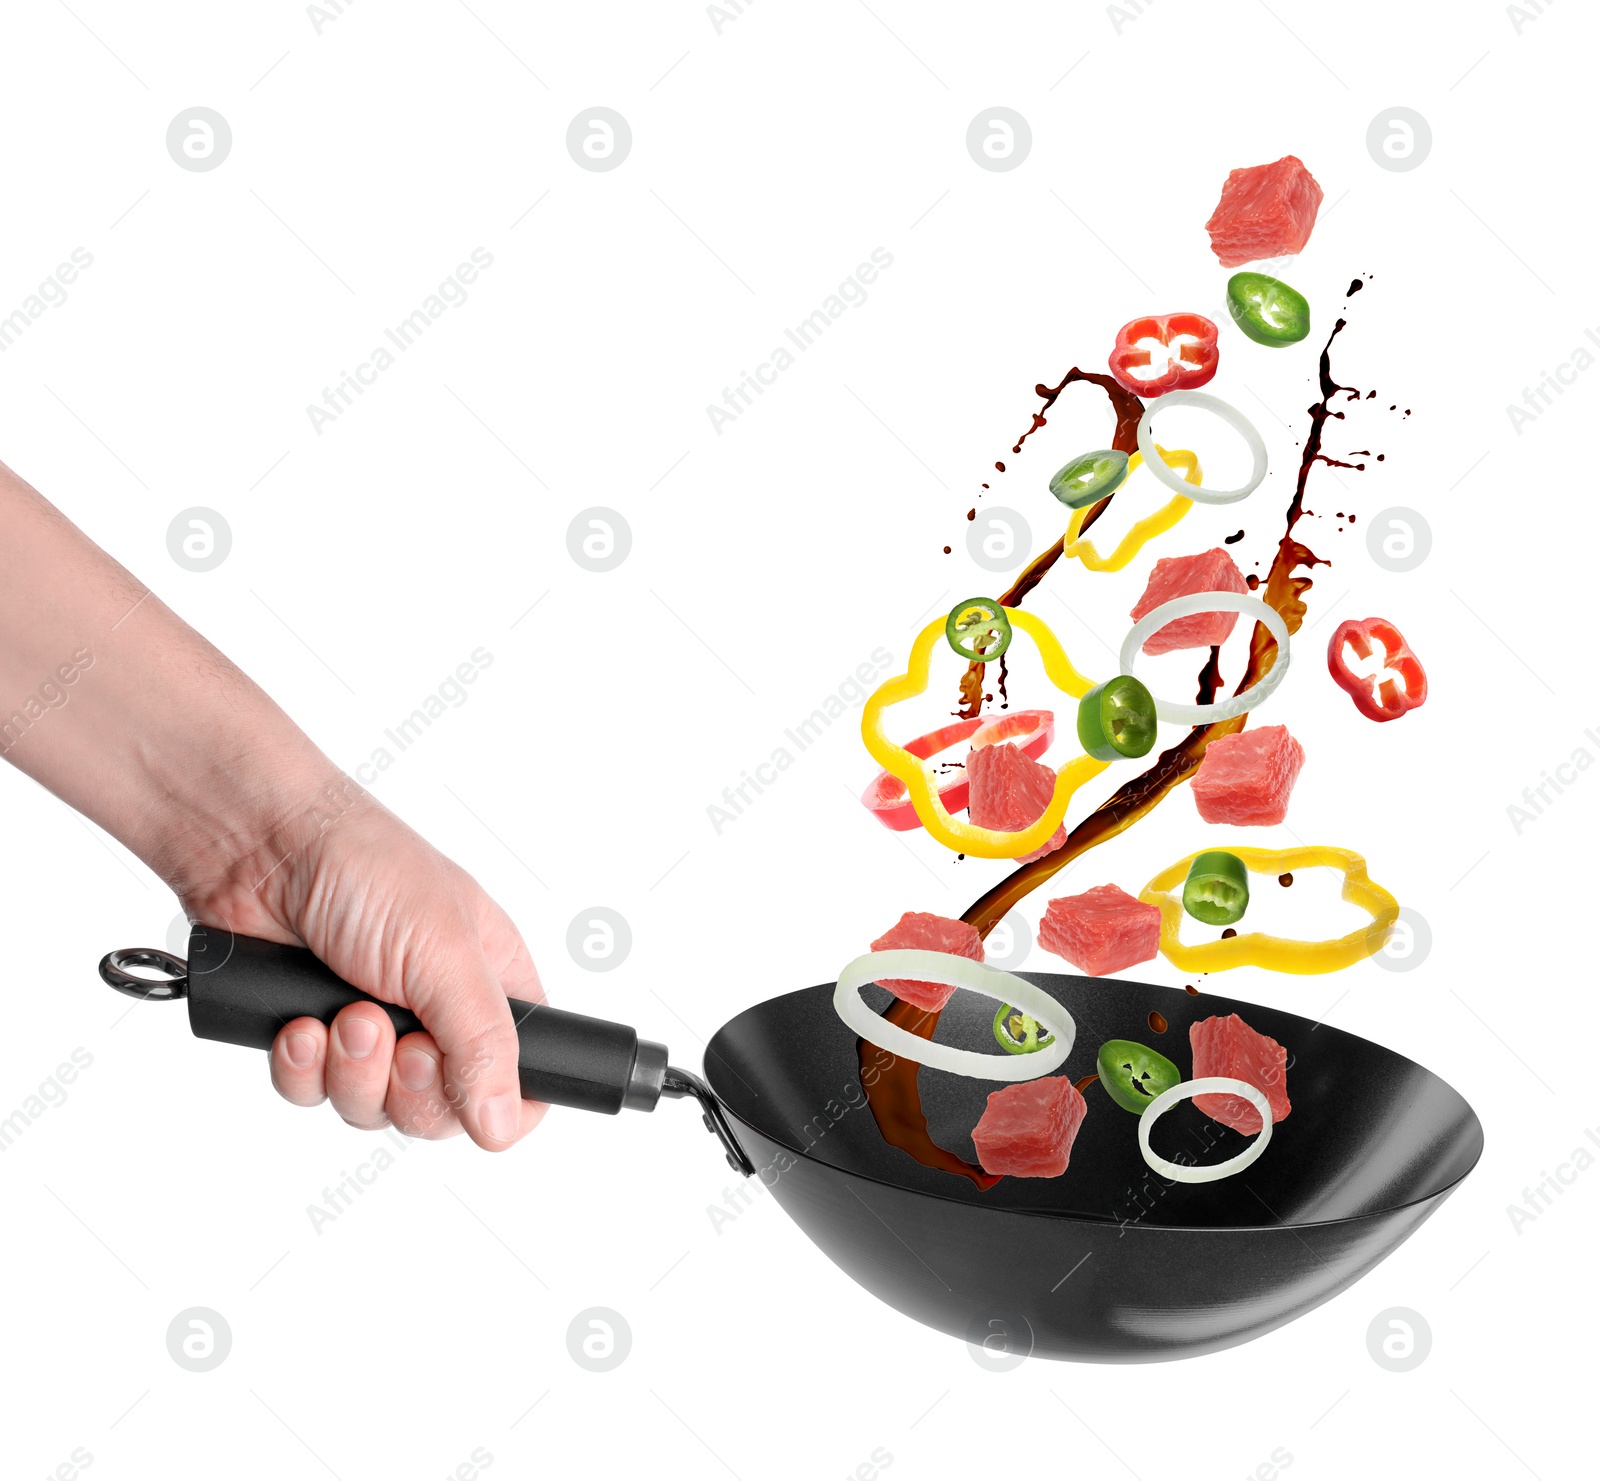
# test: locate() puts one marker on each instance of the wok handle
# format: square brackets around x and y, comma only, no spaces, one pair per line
[243,991]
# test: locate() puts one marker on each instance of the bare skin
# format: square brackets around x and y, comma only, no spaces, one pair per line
[121,709]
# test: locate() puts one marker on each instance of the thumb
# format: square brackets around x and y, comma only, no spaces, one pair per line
[462,1004]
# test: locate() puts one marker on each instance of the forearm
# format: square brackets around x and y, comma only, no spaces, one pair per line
[125,712]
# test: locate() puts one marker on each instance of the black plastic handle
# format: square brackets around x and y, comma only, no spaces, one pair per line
[242,991]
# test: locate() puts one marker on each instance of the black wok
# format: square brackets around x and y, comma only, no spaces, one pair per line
[1108,1263]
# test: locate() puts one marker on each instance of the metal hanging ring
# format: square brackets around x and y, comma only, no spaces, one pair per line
[114,965]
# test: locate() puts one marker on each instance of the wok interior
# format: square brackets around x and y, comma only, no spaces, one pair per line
[1369,1131]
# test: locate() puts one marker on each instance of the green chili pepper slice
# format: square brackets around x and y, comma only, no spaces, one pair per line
[1134,1075]
[1267,311]
[1089,479]
[978,629]
[1018,1033]
[1117,719]
[1217,889]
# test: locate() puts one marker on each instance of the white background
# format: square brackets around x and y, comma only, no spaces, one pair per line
[767,562]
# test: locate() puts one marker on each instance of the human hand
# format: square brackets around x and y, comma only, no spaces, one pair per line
[395,918]
[154,734]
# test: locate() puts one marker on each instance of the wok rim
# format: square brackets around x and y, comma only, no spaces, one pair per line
[1437,1196]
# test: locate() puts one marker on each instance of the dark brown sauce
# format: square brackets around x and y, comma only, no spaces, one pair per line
[891,1086]
[1191,989]
[1127,406]
[1233,539]
[1229,933]
[1081,1085]
[1284,592]
[1286,880]
[892,1091]
[971,692]
[1158,1024]
[1210,678]
[1128,409]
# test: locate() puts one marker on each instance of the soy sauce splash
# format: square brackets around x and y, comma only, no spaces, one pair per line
[892,1091]
[891,1086]
[1284,591]
[1128,409]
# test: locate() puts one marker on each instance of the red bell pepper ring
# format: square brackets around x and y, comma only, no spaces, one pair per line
[1377,698]
[1190,341]
[886,795]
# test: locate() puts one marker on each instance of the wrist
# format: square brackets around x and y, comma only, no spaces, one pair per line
[227,825]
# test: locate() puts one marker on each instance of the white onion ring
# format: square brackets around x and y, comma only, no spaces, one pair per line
[957,971]
[1211,601]
[1234,418]
[1180,1172]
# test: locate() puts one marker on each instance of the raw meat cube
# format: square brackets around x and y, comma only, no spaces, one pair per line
[1026,1130]
[1229,1046]
[1102,930]
[1265,211]
[1008,790]
[1247,778]
[1178,575]
[917,930]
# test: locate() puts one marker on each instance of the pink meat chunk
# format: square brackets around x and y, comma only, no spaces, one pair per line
[1265,211]
[1179,575]
[917,930]
[1102,930]
[1027,1130]
[1247,778]
[1230,1047]
[1007,790]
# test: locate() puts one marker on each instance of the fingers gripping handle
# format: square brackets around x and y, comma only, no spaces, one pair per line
[243,991]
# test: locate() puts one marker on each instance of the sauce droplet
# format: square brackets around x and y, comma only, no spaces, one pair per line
[947,550]
[1158,1024]
[1000,467]
[1286,880]
[1229,934]
[1081,1085]
[1191,989]
[1233,539]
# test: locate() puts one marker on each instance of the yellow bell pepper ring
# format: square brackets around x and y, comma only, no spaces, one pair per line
[1277,953]
[955,833]
[1143,531]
